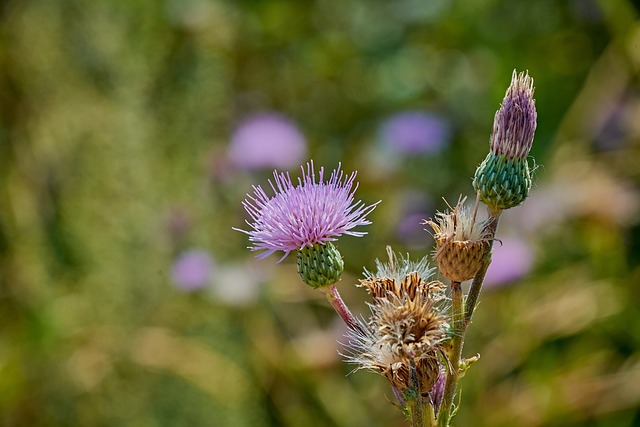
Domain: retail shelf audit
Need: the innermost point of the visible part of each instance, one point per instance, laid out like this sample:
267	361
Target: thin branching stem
457	314
476	285
333	296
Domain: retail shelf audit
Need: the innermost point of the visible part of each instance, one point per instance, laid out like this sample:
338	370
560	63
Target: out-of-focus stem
422	413
429	416
457	308
476	285
333	296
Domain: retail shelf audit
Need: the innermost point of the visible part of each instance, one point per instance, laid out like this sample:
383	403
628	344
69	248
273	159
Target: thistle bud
320	264
437	391
460	243
503	179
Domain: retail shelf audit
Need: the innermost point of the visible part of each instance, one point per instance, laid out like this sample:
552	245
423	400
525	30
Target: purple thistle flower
515	121
309	213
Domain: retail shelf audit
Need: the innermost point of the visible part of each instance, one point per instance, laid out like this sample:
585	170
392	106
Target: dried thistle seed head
408	324
399	266
399	374
460	243
412	286
410	328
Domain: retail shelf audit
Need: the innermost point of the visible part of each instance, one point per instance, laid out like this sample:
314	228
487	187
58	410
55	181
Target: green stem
476	285
457	308
333	296
429	415
422	414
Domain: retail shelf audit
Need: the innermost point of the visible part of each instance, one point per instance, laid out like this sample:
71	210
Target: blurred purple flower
415	132
311	212
415	207
512	259
192	270
267	140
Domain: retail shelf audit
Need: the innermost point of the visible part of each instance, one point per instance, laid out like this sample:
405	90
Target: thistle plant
414	334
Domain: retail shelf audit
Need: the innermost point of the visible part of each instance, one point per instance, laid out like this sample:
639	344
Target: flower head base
407	330
503	179
312	212
460	243
320	265
501	182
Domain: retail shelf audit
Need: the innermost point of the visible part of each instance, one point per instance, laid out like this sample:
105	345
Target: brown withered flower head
460	242
408	325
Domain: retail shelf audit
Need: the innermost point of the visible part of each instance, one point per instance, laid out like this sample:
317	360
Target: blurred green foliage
114	123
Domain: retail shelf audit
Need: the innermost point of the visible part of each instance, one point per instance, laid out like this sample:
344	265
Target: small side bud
460	244
320	265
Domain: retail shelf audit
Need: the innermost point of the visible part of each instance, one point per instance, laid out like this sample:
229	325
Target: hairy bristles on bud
412	286
460	243
399	267
457	225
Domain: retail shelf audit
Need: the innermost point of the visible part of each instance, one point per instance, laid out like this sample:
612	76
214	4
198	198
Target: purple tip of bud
192	270
437	391
515	121
512	259
267	140
415	132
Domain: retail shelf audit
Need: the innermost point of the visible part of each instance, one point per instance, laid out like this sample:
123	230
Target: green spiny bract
320	265
502	182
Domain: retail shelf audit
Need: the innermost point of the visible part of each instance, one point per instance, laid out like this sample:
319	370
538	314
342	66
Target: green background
115	118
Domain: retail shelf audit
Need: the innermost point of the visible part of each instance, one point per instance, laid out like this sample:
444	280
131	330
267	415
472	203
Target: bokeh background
130	132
